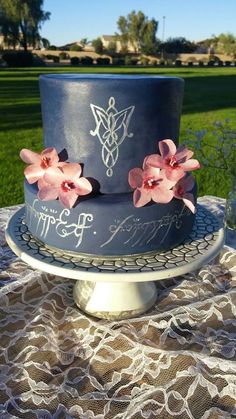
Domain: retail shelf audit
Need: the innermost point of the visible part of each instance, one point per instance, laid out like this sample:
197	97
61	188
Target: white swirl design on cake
111	129
47	218
141	233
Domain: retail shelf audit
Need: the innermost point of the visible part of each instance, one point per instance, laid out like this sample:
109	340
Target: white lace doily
177	360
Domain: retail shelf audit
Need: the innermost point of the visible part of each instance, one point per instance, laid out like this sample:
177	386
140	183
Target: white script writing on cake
45	218
111	129
141	233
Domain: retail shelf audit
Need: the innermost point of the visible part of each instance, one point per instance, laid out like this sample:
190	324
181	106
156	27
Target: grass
210	95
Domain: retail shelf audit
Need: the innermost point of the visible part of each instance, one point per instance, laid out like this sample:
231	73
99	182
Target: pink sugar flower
39	163
174	161
64	183
150	184
182	191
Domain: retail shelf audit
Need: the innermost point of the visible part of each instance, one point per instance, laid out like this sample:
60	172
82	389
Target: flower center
45	162
150	182
67	185
180	191
172	162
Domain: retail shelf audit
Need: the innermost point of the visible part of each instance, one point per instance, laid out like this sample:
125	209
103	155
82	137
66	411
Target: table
177	360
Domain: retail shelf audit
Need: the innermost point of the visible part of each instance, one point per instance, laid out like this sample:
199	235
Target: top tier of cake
109	123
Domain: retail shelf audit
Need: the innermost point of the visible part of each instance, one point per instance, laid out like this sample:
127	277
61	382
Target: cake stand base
114	300
121	287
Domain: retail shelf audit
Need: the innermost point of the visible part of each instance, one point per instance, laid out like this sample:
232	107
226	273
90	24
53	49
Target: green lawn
210	95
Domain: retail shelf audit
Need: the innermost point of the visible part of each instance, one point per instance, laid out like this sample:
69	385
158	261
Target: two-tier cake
113	141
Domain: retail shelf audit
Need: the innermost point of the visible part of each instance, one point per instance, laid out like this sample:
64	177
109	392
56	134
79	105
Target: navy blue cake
110	124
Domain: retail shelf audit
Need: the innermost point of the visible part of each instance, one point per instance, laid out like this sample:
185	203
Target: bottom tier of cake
107	224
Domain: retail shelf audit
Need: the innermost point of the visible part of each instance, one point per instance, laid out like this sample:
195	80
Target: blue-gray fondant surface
109	123
107	224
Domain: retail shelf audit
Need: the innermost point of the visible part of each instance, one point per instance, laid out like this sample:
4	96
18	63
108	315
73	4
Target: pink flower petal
33	173
191	164
61	164
152	171
145	162
30	157
187	183
48	193
183	154
155	160
135	178
72	170
141	197
54	176
166	183
42	183
174	174
51	153
189	201
167	148
161	195
83	186
68	199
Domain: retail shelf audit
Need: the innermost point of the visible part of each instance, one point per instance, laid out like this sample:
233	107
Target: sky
72	20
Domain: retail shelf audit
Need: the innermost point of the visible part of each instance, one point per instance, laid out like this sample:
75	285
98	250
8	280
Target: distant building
108	39
204	48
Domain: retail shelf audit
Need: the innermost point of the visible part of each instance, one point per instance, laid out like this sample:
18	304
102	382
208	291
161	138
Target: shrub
134	60
86	60
56	59
38	61
118	61
76	47
103	61
18	58
201	63
153	62
190	63
52	48
220	63
50	56
178	63
75	61
227	63
144	60
128	60
211	63
63	55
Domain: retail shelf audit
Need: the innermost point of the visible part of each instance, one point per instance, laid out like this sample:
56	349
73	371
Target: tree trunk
24	37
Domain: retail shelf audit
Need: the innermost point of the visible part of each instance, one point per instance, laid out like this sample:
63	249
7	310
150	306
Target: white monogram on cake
46	218
141	233
111	129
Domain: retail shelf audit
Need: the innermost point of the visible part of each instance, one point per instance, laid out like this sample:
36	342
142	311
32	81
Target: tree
76	47
124	33
226	44
178	46
21	20
45	43
150	44
137	29
84	42
98	45
111	48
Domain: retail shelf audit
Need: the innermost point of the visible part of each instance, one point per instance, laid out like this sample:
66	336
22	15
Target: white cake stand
118	287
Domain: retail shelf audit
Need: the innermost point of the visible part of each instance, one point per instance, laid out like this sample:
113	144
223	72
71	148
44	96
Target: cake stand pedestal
123	286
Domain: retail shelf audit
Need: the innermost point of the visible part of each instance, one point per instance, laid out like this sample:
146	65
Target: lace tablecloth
176	361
